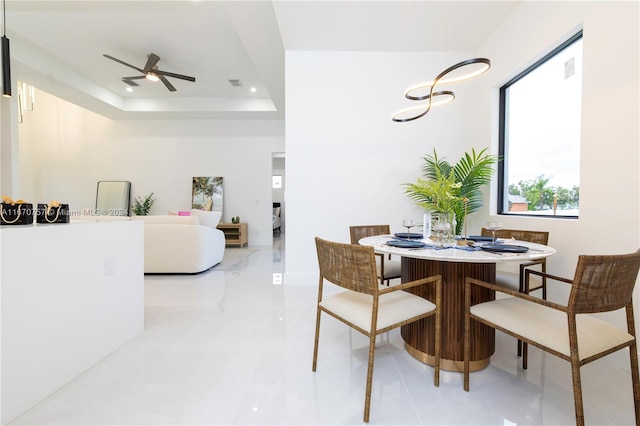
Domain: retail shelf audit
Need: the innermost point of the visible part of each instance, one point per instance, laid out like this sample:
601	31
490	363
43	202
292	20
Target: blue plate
505	248
480	238
408	235
406	244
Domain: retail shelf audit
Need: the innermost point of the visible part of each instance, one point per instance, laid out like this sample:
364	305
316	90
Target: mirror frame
113	198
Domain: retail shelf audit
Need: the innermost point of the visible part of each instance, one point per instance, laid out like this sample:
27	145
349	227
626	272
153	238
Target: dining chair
387	268
601	284
515	280
366	306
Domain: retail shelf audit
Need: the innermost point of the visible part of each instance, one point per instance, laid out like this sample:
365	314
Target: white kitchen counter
71	294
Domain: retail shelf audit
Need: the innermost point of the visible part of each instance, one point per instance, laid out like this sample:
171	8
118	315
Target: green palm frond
434	167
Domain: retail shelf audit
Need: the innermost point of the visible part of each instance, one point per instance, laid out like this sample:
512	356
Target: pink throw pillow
184	213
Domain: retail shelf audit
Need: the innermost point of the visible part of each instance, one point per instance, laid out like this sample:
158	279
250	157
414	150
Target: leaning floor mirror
113	198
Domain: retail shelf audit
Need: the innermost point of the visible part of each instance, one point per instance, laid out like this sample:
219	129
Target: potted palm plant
456	188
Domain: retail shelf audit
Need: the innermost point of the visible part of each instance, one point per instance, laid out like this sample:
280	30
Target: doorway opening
278	195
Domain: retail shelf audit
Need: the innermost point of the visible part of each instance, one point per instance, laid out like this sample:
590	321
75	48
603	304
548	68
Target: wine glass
493	227
408	223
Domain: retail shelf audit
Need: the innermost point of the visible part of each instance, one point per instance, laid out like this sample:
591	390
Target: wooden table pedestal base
447	364
419	335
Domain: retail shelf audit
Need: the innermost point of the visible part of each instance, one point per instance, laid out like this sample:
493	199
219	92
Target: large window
540	111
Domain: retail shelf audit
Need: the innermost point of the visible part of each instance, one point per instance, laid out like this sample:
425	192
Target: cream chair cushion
511	279
393	308
549	326
391	267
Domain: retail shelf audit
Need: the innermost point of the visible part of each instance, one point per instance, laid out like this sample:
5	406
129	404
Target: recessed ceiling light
253	90
129	89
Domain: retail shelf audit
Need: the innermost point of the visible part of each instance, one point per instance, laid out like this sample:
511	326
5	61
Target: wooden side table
235	233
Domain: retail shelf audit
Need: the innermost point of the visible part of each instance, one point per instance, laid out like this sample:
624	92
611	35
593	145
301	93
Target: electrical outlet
277	278
109	266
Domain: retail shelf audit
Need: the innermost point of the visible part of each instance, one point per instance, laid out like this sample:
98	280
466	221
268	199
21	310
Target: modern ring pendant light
6	57
474	67
409	114
461	71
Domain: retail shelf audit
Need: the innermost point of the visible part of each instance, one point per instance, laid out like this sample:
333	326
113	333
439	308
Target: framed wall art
207	193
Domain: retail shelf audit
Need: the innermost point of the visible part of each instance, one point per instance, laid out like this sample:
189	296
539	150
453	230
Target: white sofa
181	244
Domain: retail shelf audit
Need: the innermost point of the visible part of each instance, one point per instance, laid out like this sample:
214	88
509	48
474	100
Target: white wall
609	149
609	146
346	160
8	144
65	150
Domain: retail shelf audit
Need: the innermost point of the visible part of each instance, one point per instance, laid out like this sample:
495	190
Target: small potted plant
142	205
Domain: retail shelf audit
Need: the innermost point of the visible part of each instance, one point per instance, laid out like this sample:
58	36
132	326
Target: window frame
503	191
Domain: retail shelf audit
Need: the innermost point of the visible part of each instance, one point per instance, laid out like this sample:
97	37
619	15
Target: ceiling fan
151	72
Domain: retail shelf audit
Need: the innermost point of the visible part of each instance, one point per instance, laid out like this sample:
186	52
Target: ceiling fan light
151	72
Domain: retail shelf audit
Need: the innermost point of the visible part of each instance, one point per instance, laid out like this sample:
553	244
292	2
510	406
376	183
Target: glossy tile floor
229	347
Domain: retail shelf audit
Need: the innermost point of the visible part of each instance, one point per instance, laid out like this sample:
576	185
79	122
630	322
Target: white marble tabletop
459	253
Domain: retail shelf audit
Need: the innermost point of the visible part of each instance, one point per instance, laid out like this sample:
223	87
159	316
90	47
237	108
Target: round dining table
454	264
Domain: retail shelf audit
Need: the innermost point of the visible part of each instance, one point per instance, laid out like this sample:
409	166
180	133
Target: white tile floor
229	347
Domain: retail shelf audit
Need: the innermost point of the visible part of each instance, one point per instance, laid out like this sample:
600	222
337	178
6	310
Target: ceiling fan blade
170	74
152	60
122	62
130	82
166	83
137	77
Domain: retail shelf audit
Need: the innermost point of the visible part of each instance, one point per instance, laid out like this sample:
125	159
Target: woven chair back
537	237
603	283
349	266
359	232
